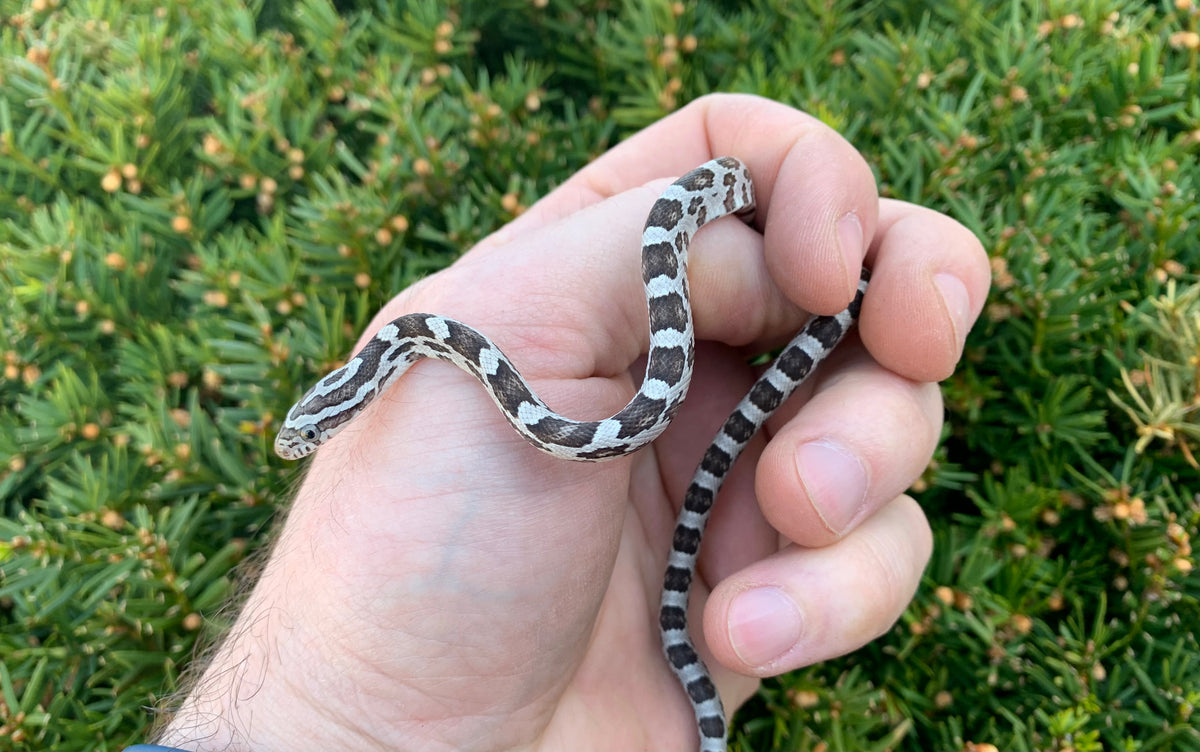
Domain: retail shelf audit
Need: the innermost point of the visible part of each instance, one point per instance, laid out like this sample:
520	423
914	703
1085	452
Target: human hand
441	584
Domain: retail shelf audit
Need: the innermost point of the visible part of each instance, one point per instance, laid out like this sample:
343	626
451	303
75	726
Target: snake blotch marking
715	189
669	312
686	539
698	500
665	213
671	362
659	260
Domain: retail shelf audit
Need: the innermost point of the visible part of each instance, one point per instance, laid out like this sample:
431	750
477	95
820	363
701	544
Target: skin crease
439	584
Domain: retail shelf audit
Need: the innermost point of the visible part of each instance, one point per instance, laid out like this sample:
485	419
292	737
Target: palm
545	572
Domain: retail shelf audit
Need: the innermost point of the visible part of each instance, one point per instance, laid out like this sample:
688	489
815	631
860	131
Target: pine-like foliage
202	203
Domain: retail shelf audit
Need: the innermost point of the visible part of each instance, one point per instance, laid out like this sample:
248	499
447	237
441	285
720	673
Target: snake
718	188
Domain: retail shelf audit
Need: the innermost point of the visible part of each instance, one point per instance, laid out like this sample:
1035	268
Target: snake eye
308	433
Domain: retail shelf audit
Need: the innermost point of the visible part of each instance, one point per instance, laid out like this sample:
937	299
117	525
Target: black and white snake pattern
713	190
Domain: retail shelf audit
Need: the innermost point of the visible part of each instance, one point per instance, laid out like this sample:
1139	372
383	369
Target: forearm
242	694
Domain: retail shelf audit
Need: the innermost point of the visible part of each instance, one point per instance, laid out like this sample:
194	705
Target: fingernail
957	303
835	482
764	623
850	237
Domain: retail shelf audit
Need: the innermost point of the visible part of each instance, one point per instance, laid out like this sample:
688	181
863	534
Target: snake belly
715	189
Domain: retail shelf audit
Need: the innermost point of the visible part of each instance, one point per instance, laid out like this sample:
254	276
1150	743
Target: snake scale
713	190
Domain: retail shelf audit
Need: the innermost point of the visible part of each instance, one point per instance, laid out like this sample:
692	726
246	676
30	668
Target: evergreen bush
202	203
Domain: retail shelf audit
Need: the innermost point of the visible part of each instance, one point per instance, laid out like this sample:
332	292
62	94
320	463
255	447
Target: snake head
305	428
296	440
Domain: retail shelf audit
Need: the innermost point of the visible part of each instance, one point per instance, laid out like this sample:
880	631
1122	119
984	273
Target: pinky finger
802	605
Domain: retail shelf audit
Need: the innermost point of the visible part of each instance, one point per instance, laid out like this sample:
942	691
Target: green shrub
202	203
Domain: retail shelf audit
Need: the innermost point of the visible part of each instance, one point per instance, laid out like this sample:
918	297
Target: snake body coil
711	191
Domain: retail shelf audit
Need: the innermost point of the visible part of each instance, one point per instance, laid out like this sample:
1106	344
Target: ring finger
804	605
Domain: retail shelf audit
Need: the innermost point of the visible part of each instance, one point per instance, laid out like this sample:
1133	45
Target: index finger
795	160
